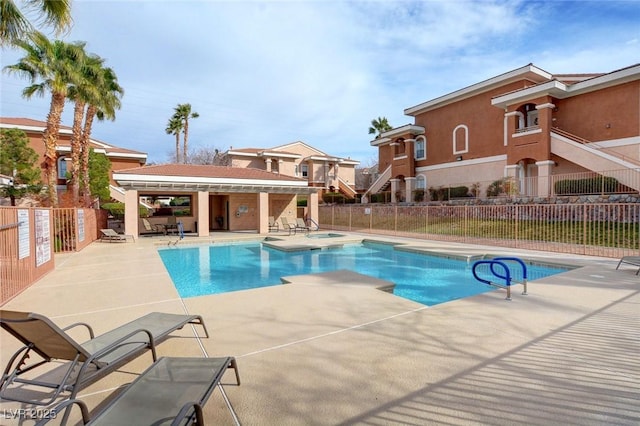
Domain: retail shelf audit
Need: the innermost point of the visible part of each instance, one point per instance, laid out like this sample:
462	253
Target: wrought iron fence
604	229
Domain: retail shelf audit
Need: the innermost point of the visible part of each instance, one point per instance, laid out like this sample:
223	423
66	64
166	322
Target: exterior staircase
379	185
596	158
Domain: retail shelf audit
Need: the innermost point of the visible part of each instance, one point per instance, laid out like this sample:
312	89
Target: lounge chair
153	229
171	390
88	361
288	226
300	224
273	225
630	260
171	225
111	235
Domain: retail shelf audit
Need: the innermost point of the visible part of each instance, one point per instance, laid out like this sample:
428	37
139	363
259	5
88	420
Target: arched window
62	168
421	182
420	148
460	139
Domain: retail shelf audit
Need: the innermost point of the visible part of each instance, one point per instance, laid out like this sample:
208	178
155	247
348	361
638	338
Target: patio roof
192	177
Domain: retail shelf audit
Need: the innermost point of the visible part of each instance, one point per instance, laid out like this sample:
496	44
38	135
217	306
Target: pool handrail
491	263
524	270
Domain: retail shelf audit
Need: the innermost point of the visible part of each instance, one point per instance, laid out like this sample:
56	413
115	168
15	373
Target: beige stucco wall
464	173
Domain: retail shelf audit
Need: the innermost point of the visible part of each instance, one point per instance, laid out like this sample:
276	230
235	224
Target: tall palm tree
104	108
174	127
51	67
83	93
379	125
14	25
183	113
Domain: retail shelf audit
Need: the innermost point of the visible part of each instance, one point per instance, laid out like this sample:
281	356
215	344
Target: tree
379	125
99	167
174	127
14	25
85	91
104	108
51	67
183	113
18	160
208	155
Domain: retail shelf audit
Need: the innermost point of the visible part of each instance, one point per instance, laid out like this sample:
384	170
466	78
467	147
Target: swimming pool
212	269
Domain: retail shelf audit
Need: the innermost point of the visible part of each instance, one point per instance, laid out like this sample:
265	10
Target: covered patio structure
208	198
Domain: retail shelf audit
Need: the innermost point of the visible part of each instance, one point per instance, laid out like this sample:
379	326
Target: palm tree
183	113
379	125
14	26
83	93
174	127
104	108
51	67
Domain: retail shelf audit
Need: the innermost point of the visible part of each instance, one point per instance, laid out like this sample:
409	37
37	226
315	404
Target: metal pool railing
599	229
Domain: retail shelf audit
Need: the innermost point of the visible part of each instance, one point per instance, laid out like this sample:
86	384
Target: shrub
418	195
458	192
592	185
333	197
117	210
496	188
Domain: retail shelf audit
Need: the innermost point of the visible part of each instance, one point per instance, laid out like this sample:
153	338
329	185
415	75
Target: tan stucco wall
459	174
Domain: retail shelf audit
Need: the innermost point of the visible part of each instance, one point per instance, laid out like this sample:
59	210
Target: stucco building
120	158
527	124
323	171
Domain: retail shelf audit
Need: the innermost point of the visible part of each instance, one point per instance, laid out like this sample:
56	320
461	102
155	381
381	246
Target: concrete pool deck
312	353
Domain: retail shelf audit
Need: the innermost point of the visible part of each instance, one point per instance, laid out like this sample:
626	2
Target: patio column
263	212
203	214
131	214
544	177
394	189
410	185
313	212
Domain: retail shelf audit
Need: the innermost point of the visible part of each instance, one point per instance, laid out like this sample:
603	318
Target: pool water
212	269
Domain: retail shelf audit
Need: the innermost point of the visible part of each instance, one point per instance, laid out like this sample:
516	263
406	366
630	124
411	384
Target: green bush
418	195
459	191
117	210
594	185
333	197
302	202
382	197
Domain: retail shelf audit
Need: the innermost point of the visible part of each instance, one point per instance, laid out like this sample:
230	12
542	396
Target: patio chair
300	224
153	229
171	390
273	225
288	226
87	362
111	235
630	260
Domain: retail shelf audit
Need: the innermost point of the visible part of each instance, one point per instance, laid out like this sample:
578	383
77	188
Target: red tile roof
28	122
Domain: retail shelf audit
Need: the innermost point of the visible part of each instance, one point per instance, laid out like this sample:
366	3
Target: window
421	182
420	148
460	139
305	170
62	168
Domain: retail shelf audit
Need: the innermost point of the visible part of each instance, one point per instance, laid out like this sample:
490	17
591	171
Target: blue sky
266	73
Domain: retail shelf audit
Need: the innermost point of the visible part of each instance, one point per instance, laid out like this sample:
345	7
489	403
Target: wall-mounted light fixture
459	158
